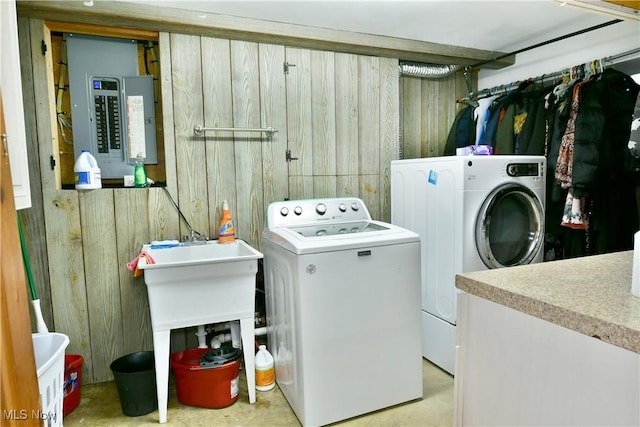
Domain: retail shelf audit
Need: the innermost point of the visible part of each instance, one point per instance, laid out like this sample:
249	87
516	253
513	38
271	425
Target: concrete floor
100	406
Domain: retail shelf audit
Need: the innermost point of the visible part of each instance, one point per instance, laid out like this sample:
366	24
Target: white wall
597	44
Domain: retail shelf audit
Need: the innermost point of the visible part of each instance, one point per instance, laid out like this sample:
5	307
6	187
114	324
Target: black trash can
135	376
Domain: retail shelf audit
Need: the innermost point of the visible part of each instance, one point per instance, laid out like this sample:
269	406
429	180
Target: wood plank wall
338	113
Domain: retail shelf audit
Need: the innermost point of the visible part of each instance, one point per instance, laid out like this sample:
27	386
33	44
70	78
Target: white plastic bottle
265	373
86	171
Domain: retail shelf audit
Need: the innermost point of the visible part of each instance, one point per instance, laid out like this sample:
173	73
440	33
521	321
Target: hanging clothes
592	166
504	132
496	114
481	115
564	164
462	132
603	134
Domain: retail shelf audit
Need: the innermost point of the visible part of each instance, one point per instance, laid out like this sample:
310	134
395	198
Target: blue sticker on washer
433	177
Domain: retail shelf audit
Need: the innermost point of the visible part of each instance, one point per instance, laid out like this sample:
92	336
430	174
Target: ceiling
498	25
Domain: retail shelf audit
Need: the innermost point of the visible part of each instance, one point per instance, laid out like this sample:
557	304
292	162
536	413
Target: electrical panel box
113	111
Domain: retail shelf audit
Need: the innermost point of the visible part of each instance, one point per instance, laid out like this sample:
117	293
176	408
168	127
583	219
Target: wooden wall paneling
323	119
369	119
299	120
389	130
245	78
347	115
33	218
164	221
62	215
324	186
102	279
132	231
186	66
273	109
369	132
301	187
45	105
67	275
411	117
218	112
428	110
347	185
429	118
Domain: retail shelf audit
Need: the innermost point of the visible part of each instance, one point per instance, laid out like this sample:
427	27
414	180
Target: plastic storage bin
213	386
49	354
72	382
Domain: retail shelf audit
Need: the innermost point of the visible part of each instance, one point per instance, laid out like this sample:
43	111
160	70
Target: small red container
207	387
72	382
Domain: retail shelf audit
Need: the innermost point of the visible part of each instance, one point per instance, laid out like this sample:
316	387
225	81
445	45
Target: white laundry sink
190	254
184	283
197	285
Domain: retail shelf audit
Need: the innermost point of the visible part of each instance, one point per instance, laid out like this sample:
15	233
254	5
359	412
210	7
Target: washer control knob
355	206
284	211
321	208
342	207
297	210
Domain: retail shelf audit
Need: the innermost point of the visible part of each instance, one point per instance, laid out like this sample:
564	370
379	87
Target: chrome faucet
194	238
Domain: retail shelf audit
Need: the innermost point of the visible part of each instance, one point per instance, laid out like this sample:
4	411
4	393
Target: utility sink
185	282
190	254
193	285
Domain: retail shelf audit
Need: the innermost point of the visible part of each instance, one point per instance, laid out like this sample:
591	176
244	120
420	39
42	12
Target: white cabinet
11	87
518	370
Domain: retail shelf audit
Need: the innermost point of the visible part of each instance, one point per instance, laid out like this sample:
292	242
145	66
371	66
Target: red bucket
72	382
208	387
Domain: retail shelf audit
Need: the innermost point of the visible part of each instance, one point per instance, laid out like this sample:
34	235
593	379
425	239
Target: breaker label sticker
433	177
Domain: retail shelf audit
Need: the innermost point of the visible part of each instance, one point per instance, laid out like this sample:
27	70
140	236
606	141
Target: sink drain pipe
234	336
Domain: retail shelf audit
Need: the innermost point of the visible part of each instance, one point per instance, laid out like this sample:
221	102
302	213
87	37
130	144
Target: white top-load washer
343	308
472	213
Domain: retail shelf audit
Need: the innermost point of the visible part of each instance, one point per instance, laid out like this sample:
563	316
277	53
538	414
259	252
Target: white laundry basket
49	351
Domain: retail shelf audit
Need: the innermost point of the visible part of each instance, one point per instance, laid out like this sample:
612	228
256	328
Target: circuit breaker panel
113	112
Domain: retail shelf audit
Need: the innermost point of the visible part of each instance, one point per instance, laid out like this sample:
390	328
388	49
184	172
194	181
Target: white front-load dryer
471	213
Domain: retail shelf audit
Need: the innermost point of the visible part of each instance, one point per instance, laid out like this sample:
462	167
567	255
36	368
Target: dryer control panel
523	169
288	213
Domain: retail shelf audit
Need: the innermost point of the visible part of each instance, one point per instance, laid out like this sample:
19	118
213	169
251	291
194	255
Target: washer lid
326	229
329	237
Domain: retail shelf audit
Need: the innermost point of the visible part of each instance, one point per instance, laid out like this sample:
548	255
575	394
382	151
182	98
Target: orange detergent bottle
226	231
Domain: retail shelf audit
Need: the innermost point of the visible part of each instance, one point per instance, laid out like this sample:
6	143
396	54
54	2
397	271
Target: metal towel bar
199	130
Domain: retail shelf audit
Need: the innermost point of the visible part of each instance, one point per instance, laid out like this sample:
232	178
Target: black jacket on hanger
602	167
462	132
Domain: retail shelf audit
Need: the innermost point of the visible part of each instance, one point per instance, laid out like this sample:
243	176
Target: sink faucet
194	238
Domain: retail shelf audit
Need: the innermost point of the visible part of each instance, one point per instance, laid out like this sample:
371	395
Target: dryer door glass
509	227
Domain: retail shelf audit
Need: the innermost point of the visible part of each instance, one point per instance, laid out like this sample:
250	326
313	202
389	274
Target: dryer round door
509	226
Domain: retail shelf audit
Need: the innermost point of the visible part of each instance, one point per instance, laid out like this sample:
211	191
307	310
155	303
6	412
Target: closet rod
537	45
502	89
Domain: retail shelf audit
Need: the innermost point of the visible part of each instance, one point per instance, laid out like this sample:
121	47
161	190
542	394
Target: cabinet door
19	382
11	84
